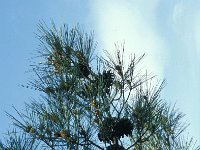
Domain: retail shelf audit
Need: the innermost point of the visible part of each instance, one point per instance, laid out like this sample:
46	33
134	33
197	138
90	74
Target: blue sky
167	31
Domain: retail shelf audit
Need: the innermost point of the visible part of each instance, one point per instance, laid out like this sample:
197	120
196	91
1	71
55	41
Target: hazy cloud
133	23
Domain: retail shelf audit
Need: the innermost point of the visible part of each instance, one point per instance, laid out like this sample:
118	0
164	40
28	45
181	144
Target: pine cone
84	69
106	130
123	127
115	128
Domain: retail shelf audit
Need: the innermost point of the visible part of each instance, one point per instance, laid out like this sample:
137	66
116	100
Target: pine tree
93	103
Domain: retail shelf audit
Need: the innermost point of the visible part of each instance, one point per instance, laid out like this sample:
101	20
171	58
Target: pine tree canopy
90	102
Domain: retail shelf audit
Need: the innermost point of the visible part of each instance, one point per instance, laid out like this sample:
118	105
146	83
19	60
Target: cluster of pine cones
114	128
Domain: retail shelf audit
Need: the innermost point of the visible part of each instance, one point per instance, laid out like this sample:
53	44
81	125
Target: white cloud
186	22
132	23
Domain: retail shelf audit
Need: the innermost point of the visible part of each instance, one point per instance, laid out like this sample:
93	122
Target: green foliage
18	141
111	106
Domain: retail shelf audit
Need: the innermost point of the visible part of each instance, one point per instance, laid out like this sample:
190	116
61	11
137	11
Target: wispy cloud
132	23
178	12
